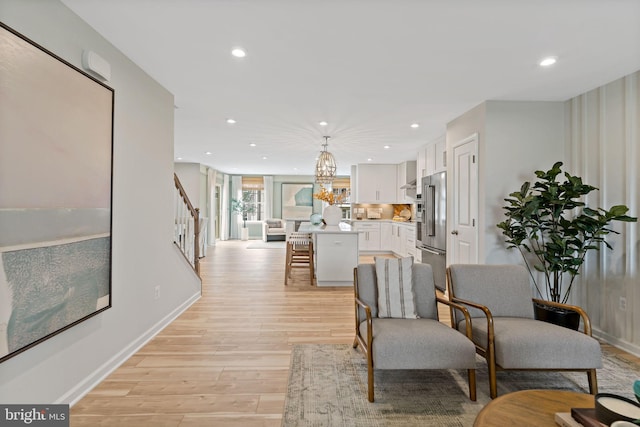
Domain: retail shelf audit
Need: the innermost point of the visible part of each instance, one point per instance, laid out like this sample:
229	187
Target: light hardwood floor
225	361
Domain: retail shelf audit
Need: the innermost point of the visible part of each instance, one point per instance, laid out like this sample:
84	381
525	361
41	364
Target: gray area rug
267	245
328	387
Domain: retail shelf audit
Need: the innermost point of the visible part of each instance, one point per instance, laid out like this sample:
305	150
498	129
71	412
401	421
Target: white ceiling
369	68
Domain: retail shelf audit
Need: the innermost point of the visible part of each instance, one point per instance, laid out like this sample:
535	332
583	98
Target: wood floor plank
225	361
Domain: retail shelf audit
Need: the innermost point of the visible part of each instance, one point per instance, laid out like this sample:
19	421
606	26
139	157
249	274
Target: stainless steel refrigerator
431	239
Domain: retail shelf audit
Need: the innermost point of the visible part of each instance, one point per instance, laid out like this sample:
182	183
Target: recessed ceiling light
231	121
179	158
264	157
239	52
252	144
208	153
415	125
369	159
323	123
546	62
386	147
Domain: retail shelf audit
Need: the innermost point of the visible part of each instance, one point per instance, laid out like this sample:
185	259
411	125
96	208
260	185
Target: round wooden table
531	408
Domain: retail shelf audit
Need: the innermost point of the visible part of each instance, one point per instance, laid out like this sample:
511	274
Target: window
254	186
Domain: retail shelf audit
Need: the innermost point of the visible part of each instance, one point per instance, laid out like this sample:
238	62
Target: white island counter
336	253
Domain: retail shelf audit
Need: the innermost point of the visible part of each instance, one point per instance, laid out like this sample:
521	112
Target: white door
464	227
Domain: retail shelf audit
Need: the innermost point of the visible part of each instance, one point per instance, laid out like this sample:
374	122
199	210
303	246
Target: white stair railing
187	226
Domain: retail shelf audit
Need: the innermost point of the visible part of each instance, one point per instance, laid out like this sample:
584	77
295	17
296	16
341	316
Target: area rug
267	245
328	387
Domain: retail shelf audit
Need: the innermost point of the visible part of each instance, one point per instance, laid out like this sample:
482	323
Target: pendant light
326	165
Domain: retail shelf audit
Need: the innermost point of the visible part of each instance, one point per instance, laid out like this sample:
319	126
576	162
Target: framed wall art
56	139
297	201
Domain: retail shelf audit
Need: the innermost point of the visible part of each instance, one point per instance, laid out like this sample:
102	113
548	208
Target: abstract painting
297	201
56	138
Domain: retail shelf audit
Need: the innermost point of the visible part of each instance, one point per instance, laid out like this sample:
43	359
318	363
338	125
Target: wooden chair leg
593	381
355	343
472	384
370	375
311	267
287	266
493	382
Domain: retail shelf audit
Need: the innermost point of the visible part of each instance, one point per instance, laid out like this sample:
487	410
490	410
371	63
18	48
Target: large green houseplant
554	230
244	207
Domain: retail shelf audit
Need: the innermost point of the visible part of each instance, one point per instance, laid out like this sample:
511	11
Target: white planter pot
245	234
332	215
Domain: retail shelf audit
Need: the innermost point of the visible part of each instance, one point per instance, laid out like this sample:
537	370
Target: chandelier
326	165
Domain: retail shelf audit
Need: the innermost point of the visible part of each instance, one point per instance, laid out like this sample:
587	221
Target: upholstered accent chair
499	299
273	229
405	343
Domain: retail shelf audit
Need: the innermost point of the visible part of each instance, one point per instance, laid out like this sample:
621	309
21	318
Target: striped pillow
395	294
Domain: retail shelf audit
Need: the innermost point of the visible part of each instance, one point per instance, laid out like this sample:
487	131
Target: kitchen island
336	253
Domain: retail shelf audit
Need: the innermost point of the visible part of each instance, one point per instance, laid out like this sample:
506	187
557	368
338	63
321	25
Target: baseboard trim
617	342
84	387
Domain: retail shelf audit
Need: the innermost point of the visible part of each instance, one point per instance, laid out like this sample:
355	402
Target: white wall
520	138
64	367
603	146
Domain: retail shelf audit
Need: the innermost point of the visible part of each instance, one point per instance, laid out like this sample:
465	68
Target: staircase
187	226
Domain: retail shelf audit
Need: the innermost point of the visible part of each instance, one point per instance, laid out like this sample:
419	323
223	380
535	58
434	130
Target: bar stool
299	254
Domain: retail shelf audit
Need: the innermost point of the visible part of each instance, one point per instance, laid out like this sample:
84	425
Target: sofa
273	229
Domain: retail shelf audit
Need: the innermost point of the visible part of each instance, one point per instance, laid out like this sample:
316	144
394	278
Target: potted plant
554	230
244	207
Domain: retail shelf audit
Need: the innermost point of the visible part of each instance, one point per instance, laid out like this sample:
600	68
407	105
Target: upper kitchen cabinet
406	181
432	158
376	183
440	156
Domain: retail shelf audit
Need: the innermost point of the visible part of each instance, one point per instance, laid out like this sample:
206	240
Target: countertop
343	227
411	222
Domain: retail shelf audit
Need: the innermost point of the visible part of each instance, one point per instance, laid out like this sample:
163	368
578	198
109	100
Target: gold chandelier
326	165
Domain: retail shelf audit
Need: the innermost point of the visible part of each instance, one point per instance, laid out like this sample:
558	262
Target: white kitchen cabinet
336	257
403	239
406	176
395	238
368	235
435	156
430	159
440	155
420	168
410	241
376	183
385	236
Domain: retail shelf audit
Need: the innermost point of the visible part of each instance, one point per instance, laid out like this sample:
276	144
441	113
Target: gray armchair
499	298
423	343
273	229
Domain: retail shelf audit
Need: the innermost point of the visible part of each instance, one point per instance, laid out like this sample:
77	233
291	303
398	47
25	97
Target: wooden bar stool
299	254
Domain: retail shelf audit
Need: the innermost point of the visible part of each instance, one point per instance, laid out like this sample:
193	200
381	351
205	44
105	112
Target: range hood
409	185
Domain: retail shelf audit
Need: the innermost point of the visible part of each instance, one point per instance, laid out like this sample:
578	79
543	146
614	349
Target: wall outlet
622	304
156	292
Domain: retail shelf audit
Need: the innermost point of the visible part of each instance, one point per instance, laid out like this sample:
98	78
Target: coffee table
531	408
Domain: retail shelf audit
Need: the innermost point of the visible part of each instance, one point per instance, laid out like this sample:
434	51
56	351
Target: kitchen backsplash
384	211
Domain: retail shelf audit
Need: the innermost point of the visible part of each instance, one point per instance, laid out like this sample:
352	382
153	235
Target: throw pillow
395	293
